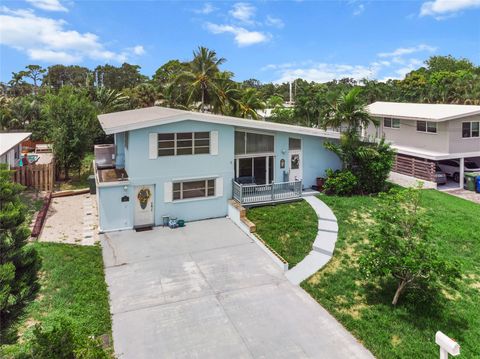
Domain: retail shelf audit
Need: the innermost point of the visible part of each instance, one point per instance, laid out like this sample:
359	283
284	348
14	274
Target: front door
296	173
144	206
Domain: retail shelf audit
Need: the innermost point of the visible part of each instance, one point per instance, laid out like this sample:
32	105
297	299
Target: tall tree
201	76
249	103
58	76
72	118
118	78
35	73
19	262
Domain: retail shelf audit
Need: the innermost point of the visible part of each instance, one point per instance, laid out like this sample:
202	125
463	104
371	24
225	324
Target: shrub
61	341
340	183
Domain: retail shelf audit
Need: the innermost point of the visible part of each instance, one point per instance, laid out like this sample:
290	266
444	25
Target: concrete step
327	226
325	242
307	267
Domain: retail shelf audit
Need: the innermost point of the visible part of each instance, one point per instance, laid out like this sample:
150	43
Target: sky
272	41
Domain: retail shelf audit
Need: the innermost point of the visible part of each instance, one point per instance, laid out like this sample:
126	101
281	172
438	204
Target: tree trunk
400	289
203	100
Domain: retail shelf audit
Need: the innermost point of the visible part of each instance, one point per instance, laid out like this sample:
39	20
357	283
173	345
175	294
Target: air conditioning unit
105	156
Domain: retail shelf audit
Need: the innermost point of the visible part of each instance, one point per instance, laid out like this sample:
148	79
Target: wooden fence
415	167
39	177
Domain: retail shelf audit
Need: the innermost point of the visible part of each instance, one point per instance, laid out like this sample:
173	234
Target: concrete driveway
208	291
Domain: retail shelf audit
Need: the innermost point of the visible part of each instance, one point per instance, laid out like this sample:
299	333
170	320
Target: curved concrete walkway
323	247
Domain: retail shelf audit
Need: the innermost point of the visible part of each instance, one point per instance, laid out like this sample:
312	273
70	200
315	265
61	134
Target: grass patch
364	307
78	179
289	229
73	287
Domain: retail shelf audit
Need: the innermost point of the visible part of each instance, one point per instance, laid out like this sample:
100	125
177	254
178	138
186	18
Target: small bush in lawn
340	183
60	341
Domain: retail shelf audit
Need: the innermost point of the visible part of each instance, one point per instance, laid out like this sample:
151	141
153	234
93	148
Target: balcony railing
252	194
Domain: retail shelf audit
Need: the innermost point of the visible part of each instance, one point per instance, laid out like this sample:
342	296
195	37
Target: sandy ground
72	219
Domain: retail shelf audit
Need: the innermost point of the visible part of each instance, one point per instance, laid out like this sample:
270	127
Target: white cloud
206	9
138	50
243	12
359	10
46	39
407	50
49	5
442	8
242	36
274	21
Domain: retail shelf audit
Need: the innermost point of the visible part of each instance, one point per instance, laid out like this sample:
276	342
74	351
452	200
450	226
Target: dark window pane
184	151
395	123
166	136
202	135
169	152
270	168
387	122
294	144
465	129
239	143
193	193
211	183
184	136
211	192
422	126
475	129
202	142
258	143
432	127
176	186
184	143
166	144
260	170
176	195
193	185
245	167
202	150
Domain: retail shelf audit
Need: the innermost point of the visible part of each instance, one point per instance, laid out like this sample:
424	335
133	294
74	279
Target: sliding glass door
258	168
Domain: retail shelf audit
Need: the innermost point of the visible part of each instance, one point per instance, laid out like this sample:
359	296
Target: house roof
422	111
10	139
152	116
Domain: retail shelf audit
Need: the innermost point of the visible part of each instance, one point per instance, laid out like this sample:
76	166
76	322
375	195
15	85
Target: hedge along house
188	165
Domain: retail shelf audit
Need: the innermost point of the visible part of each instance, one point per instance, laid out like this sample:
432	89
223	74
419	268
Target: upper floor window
427	126
470	129
391	122
183	143
250	142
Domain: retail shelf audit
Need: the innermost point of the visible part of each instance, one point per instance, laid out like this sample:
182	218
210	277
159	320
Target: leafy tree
348	110
226	94
35	72
118	78
19	262
201	76
400	247
448	63
249	103
144	95
107	100
59	75
73	122
275	101
17	85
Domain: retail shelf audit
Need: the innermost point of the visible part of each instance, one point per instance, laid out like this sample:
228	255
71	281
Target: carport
208	291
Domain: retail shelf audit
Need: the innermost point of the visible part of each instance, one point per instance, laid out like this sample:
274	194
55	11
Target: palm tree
203	69
348	110
226	91
109	100
249	103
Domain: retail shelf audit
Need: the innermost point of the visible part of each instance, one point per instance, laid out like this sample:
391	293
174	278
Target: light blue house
188	165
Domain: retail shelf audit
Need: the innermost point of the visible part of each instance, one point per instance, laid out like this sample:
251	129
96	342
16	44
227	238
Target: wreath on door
143	196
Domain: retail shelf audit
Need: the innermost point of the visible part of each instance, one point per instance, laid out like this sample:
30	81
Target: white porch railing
266	193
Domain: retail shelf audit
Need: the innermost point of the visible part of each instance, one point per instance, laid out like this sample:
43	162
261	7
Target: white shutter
214	143
168	191
152	146
219	187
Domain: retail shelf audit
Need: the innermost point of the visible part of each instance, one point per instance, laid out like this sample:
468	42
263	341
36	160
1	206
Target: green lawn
72	286
364	308
289	229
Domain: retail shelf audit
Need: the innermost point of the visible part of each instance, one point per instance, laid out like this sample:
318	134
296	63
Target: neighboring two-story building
424	134
188	165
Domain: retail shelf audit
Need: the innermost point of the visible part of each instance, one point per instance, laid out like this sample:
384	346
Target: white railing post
273	191
241	194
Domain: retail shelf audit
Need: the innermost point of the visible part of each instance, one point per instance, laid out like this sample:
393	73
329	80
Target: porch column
462	173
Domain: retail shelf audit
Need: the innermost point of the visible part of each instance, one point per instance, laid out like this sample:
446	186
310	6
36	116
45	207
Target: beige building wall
408	136
459	144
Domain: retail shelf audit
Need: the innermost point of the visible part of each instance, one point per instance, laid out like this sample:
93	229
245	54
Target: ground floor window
260	168
193	189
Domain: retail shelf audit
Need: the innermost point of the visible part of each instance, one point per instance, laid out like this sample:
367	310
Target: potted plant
320	183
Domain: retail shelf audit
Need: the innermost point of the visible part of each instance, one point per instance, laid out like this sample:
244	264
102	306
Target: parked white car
452	168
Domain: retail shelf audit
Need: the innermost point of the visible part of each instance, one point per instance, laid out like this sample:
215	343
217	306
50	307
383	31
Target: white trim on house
430	155
153	116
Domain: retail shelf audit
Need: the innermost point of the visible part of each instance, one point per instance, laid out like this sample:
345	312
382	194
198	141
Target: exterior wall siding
457	142
113	213
120	149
